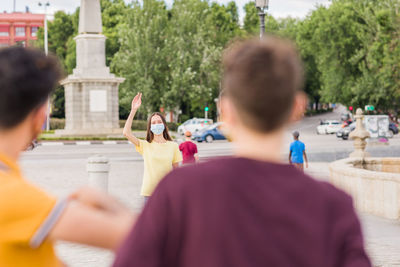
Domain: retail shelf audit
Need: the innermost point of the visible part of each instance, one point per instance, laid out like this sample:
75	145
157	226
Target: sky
278	8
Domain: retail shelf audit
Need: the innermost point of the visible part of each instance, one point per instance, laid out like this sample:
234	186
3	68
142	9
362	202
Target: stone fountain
374	183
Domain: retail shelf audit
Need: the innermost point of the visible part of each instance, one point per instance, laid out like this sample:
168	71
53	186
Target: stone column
98	169
91	91
90	17
359	135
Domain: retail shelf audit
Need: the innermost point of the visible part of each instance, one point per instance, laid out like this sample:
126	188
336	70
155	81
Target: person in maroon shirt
188	149
251	209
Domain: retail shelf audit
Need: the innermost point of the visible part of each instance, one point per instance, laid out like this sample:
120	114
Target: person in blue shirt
297	152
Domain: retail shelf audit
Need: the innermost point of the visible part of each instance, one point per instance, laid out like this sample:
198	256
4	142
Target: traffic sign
369	108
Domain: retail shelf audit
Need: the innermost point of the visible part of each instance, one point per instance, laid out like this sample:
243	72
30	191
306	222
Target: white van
194	125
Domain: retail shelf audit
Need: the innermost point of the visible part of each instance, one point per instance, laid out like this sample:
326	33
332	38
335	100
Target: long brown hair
150	135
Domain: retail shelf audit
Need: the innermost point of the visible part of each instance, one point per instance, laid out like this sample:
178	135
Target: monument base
102	133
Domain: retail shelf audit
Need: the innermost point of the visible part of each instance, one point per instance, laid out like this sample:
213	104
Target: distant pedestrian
297	154
188	149
159	152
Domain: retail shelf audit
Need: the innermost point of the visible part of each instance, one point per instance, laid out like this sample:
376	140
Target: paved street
62	169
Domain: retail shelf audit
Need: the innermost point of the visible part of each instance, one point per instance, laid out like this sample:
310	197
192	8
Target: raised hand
137	101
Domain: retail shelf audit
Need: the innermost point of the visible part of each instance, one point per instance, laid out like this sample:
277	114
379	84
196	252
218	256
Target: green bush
140	125
184	117
56	123
172	126
137	125
312	112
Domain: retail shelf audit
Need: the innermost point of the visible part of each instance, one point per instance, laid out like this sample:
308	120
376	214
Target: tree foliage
173	56
141	58
353	47
351	50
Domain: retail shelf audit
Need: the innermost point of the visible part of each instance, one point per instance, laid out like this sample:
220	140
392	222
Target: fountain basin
374	184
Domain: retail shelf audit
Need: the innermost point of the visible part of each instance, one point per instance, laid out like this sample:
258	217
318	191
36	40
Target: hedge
312	112
138	125
56	123
142	125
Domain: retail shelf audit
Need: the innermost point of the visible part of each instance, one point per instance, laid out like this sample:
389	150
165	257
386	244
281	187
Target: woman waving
160	154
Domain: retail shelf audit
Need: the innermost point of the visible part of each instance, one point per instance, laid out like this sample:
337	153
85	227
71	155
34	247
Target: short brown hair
150	135
27	78
261	77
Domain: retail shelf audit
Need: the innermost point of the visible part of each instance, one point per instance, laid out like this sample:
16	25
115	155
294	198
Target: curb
83	143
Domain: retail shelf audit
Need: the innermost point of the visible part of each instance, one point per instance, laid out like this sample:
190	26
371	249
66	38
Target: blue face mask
157	129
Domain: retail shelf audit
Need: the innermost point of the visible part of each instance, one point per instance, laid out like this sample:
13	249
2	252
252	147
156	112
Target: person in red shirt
188	149
250	209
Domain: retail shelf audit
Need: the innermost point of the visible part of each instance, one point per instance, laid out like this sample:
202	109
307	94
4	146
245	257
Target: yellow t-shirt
158	160
25	221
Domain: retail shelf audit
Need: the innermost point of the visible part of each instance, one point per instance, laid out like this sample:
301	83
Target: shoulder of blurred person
33	218
229	169
252	198
234	194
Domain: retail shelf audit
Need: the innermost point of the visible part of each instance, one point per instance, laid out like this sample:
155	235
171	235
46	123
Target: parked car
328	127
345	116
194	125
209	134
344	132
346	123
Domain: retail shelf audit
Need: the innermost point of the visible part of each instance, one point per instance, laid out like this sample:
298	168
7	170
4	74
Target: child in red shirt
189	149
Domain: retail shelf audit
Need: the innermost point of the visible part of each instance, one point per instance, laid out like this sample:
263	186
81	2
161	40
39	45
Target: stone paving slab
61	177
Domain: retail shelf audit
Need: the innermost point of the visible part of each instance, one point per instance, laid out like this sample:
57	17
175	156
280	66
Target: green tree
61	33
226	21
251	22
60	30
173	56
112	14
141	58
70	59
352	50
194	56
379	60
304	40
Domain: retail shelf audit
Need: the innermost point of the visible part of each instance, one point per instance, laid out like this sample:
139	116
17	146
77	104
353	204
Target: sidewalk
60	177
382	236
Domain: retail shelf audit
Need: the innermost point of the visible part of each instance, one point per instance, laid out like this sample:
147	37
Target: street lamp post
45	26
261	6
46	51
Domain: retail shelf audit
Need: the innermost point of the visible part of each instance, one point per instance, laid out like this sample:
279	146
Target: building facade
19	28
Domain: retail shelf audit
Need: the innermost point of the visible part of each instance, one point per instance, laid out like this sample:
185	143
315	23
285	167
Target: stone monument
91	91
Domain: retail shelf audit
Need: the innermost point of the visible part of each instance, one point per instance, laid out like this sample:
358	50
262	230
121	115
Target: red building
19	28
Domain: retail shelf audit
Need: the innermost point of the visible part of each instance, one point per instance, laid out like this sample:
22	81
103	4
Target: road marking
69	143
83	143
52	144
109	142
